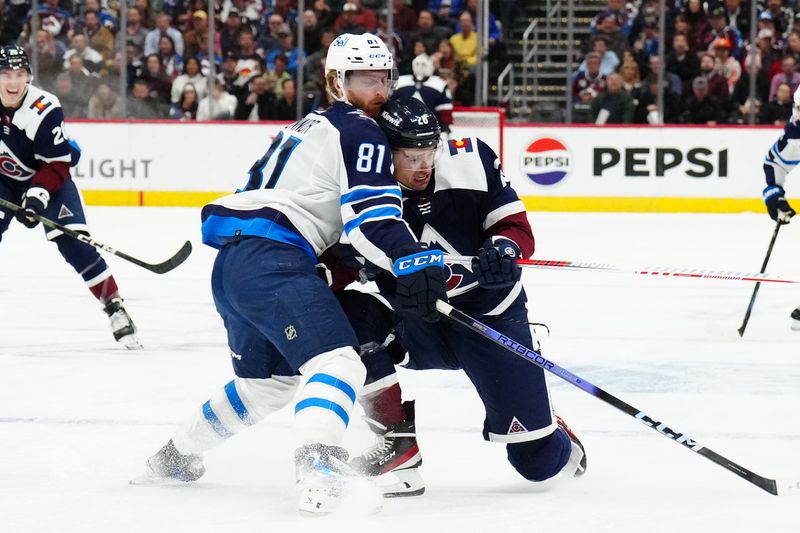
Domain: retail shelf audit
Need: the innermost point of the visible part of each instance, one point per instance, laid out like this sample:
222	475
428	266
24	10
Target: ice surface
79	414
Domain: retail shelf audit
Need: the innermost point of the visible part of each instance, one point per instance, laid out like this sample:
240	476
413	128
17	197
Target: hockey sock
90	265
322	412
239	404
385	406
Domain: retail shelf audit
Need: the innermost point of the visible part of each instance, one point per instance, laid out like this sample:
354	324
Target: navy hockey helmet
409	124
14	57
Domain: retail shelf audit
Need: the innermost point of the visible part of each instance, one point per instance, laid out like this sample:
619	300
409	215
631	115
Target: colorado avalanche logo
10	167
453	279
546	161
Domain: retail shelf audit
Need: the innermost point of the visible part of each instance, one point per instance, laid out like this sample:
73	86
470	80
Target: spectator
727	65
92	60
607	27
614	105
191	75
646	111
682	62
325	16
782	16
494	30
590	78
224	104
717	85
50	57
279	73
284	8
672	80
624	13
764	58
11	17
98	36
69	97
270	40
426	32
646	45
582	107
186	107
720	30
788	76
55	20
404	18
393	42
445	10
258	103
249	12
135	33
631	77
313	32
702	107
314	71
170	60
107	19
698	23
608	59
779	109
765	22
229	35
135	64
83	85
465	43
196	39
105	104
286	48
141	105
348	21
152	41
148	16
444	57
285	106
738	15
159	85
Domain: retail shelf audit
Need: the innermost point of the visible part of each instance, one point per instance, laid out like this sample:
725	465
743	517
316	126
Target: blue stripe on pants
324	404
236	402
213	421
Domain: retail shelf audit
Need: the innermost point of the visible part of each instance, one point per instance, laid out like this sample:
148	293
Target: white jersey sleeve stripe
502	212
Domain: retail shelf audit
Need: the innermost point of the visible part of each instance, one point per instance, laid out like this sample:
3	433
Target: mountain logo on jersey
546	161
457	145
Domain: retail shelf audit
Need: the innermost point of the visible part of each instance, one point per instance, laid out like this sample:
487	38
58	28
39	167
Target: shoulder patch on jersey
457	146
40	105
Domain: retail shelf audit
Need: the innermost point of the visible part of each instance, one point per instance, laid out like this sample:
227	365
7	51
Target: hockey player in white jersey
35	158
782	157
426	86
325	175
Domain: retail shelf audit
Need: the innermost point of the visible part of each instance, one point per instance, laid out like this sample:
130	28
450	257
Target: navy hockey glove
420	281
778	208
33	203
496	264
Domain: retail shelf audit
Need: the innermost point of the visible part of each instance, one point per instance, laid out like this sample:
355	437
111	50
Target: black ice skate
122	326
576	465
323	478
395	459
796	319
168	464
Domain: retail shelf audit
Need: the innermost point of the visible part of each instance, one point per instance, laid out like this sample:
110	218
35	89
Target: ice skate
576	465
395	459
169	465
324	479
795	325
122	326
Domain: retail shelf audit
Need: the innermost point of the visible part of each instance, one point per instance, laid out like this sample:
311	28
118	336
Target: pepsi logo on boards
546	161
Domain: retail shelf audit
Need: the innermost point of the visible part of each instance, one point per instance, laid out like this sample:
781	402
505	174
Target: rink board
601	169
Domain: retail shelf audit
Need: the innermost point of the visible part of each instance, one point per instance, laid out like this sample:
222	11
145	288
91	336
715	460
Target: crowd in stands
166	56
706	72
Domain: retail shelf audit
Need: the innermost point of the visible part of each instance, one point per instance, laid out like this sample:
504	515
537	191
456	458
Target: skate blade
357	497
795	325
401	483
131	342
147	478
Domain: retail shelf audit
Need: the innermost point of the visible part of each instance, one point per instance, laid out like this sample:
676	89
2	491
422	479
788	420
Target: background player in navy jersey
782	157
35	157
455	199
426	86
325	175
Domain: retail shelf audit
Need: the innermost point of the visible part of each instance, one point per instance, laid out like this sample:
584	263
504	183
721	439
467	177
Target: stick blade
174	261
787	487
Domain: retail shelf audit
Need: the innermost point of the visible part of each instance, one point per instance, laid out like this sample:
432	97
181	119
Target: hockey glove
496	264
33	203
420	281
778	208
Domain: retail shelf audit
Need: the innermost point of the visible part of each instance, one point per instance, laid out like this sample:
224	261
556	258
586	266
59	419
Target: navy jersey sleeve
52	151
371	203
504	212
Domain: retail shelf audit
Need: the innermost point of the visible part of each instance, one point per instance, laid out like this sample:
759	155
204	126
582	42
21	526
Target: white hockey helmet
422	67
350	52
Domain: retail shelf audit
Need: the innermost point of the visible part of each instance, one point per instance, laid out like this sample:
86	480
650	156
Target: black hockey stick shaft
158	268
770	485
758	284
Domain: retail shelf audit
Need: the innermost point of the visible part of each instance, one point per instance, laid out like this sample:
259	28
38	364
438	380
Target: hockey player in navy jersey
35	158
321	177
455	199
426	86
782	157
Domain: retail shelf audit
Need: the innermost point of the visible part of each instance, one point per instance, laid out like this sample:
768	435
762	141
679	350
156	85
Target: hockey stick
776	487
758	285
159	268
646	271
